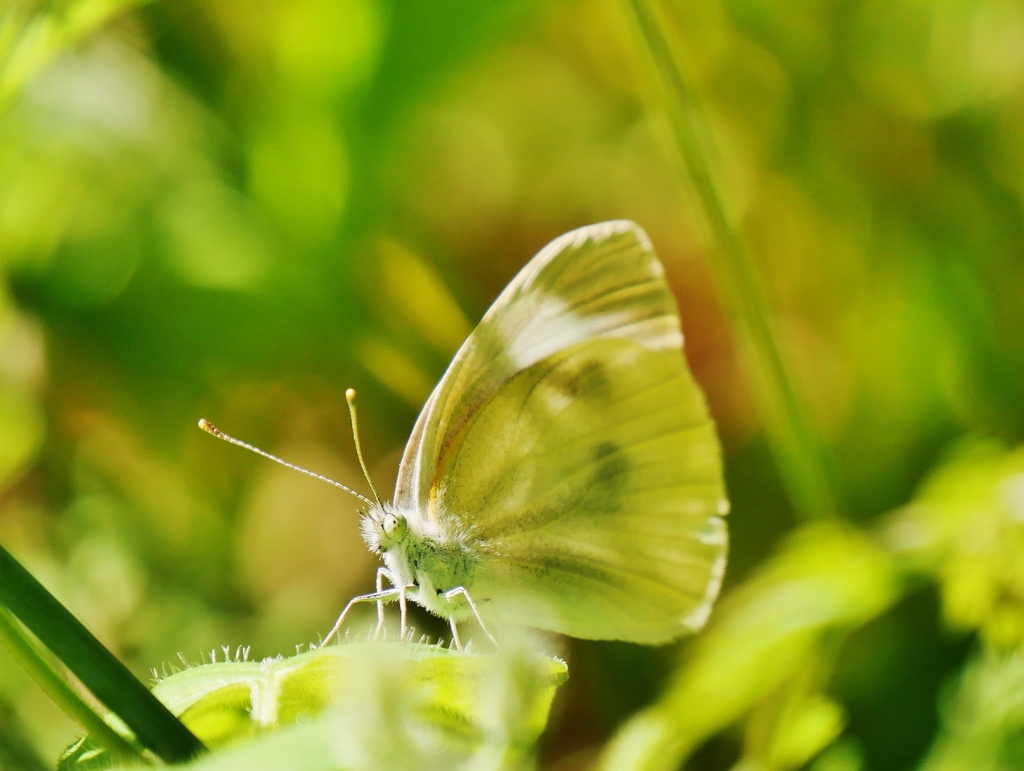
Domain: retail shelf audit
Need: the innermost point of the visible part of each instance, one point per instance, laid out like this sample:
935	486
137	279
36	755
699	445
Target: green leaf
359	705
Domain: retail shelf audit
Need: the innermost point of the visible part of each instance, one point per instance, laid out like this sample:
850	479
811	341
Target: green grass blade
27	652
97	668
798	454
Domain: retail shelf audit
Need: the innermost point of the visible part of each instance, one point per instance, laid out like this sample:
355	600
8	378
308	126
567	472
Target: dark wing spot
611	467
588	378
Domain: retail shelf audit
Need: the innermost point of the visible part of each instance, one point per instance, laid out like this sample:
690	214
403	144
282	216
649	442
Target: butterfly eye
394	526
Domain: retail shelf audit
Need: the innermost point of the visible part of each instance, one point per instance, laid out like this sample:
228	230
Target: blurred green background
236	210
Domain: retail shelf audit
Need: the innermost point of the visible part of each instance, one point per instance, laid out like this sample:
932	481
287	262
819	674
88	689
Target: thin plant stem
797	453
37	663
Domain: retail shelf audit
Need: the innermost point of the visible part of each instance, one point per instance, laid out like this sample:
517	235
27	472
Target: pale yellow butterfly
565	470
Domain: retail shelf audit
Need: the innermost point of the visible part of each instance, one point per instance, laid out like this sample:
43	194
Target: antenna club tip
350	395
207	426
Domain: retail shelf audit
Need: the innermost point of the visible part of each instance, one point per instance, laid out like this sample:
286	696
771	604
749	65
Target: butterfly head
383	528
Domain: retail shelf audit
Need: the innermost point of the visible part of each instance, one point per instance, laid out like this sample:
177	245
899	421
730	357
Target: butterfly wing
570	445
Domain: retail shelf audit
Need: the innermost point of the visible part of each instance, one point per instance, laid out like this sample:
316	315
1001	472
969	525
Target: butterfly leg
455	634
452	594
385	595
403	608
383	573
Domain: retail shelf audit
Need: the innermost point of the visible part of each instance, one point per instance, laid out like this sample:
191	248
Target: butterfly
565	470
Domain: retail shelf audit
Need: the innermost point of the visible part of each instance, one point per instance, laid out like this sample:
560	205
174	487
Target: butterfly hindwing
592	484
569	443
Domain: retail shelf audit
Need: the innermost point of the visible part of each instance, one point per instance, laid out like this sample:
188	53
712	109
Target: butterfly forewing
600	281
570	444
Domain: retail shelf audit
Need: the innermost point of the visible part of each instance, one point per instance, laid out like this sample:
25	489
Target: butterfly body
428	565
565	470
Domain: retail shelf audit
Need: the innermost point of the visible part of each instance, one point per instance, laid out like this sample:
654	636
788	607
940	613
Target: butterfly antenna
209	428
350	397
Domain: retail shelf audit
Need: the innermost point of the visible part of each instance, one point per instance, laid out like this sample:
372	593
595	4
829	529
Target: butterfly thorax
432	564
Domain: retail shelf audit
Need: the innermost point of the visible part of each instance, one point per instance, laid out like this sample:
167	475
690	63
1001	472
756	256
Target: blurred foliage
983	719
767	654
236	211
966	529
